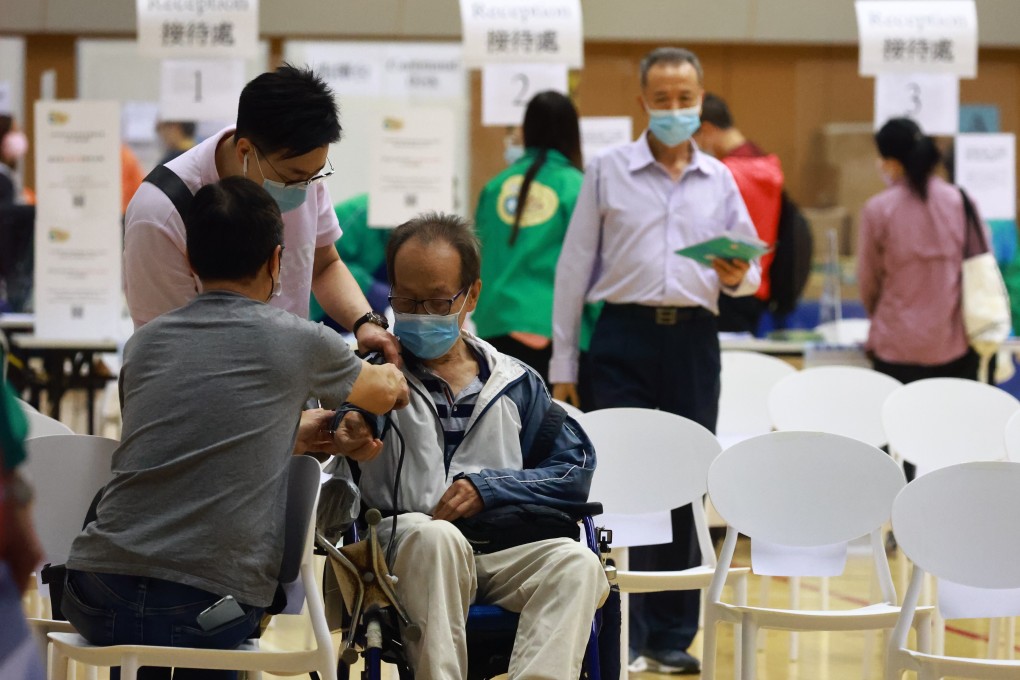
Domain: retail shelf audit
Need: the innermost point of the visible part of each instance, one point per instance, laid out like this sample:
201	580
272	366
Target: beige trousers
555	585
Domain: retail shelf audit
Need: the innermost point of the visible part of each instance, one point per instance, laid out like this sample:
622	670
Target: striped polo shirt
454	411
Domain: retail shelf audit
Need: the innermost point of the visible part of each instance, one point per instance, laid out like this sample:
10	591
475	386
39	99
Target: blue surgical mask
674	126
427	336
513	153
287	197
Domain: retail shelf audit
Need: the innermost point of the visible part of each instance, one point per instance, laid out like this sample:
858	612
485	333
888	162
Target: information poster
986	169
516	31
932	100
412	168
906	36
507	89
390	70
599	133
175	29
77	226
200	89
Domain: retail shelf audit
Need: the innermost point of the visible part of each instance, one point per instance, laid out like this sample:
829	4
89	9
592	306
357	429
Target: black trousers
638	359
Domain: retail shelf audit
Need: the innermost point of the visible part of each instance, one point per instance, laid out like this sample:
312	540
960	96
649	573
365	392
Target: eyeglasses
435	306
315	179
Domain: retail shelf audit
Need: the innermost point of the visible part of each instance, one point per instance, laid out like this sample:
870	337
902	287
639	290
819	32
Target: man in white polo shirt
286	120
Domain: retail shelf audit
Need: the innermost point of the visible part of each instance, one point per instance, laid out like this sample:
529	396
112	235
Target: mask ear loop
244	165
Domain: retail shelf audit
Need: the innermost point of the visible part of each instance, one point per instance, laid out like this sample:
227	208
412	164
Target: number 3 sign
932	100
507	89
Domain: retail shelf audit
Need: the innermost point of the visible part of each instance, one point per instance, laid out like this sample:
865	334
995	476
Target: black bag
512	525
791	265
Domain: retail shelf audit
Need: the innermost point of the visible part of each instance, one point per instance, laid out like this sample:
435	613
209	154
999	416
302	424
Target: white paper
599	133
200	89
516	31
770	559
958	601
138	121
6	99
906	36
77	226
507	89
411	169
389	69
174	29
651	528
932	100
986	169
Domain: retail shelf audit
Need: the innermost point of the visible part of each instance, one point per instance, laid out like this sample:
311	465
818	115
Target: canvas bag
985	302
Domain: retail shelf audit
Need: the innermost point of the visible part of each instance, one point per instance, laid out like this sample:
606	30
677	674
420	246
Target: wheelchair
372	627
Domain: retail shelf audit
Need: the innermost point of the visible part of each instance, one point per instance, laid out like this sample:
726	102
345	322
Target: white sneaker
638	665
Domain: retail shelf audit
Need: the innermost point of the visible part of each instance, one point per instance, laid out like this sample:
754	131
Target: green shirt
13	428
518	279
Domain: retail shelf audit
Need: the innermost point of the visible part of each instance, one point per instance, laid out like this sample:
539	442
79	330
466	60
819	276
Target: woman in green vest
522	218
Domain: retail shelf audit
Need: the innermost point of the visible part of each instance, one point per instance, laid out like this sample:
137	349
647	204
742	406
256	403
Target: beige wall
765	21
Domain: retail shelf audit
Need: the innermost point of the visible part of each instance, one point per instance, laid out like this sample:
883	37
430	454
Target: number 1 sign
507	89
200	89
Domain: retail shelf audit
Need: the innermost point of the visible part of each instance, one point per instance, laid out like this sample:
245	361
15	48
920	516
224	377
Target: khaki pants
555	585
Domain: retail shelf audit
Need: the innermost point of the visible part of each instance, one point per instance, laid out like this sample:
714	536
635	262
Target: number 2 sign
932	100
507	89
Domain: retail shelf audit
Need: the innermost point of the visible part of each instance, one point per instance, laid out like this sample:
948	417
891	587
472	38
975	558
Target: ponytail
901	139
522	196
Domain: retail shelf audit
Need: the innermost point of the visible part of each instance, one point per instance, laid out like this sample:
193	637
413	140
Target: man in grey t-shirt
212	396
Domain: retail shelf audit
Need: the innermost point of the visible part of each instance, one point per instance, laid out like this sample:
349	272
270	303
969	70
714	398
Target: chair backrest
1012	440
844	331
960	523
747	378
648	460
943	421
844	400
303	482
804	489
40	425
571	410
66	471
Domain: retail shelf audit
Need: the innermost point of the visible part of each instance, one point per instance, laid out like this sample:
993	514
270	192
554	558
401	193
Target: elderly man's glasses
435	306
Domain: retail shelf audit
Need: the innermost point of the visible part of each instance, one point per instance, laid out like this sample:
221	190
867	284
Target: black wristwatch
371	317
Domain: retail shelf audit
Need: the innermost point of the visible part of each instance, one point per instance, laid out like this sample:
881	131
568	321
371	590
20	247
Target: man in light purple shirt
656	343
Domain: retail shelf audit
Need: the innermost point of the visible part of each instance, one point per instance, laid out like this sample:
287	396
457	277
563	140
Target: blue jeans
110	609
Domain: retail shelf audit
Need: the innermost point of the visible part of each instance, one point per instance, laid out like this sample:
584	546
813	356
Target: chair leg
749	660
57	663
1011	639
923	627
763	601
708	644
994	638
794	604
129	668
740	596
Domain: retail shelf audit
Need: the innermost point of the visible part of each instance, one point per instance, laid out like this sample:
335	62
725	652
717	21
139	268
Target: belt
661	316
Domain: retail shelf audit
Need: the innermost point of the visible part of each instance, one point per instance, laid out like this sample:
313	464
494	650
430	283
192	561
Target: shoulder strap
548	430
170	183
974	241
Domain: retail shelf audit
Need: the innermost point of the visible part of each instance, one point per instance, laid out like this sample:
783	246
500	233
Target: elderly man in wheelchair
480	479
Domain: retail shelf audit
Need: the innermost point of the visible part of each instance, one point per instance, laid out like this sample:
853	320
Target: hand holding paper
730	247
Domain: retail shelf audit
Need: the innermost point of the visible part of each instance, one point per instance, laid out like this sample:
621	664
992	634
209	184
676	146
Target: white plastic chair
944	421
1013	437
302	496
844	400
747	378
844	331
40	425
650	462
959	523
804	490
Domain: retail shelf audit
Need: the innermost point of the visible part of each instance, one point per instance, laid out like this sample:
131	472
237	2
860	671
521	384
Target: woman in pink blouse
909	264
